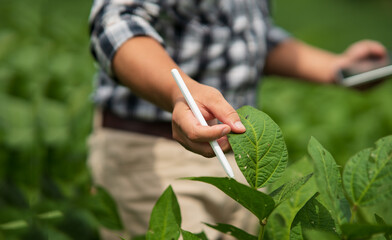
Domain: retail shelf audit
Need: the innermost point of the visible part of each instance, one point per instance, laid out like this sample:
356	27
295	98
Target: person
145	136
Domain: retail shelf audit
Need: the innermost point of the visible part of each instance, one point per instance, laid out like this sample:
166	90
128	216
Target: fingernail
225	131
239	125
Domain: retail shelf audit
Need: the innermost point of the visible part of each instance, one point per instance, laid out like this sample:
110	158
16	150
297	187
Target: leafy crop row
322	203
45	116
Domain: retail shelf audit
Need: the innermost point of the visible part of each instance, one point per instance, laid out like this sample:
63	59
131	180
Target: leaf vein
277	162
257	155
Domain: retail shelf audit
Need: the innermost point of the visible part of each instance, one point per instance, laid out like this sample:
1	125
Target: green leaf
295	170
259	203
165	221
52	233
197	236
362	231
17	123
13	225
104	209
381	221
53	121
320	235
286	190
314	215
328	181
232	231
260	152
20	224
202	236
50	215
7	41
368	174
280	221
190	236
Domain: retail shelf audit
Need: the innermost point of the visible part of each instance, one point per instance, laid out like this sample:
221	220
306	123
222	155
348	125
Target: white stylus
196	111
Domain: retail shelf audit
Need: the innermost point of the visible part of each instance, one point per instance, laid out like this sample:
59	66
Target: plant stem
262	228
261	232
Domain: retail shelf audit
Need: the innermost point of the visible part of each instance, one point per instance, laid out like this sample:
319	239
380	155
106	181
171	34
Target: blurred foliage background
46	74
45	116
343	120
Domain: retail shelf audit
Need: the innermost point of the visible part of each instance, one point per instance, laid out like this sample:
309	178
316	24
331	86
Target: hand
362	56
190	133
359	51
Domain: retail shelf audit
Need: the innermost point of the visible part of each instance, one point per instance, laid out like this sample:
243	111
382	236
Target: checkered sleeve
275	34
112	22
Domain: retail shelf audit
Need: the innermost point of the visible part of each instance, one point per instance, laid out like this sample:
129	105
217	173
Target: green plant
307	202
46	73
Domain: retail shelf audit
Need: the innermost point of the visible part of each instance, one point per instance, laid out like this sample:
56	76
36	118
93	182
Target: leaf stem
262	228
353	213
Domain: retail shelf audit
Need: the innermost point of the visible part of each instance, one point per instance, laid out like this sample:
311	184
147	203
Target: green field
46	79
344	120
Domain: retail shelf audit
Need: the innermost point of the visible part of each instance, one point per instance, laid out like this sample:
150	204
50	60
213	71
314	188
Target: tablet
365	72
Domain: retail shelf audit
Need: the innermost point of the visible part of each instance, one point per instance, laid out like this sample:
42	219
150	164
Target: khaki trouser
135	169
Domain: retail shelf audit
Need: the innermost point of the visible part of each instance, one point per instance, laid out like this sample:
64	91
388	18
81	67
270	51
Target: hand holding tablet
365	72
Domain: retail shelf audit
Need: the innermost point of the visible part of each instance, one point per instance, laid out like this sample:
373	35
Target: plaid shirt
220	43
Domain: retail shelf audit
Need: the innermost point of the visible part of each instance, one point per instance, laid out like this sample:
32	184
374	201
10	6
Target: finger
190	127
366	49
376	49
225	113
371	49
198	133
203	148
224	144
212	122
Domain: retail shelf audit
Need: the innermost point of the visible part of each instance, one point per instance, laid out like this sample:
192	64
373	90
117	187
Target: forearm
296	59
143	65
